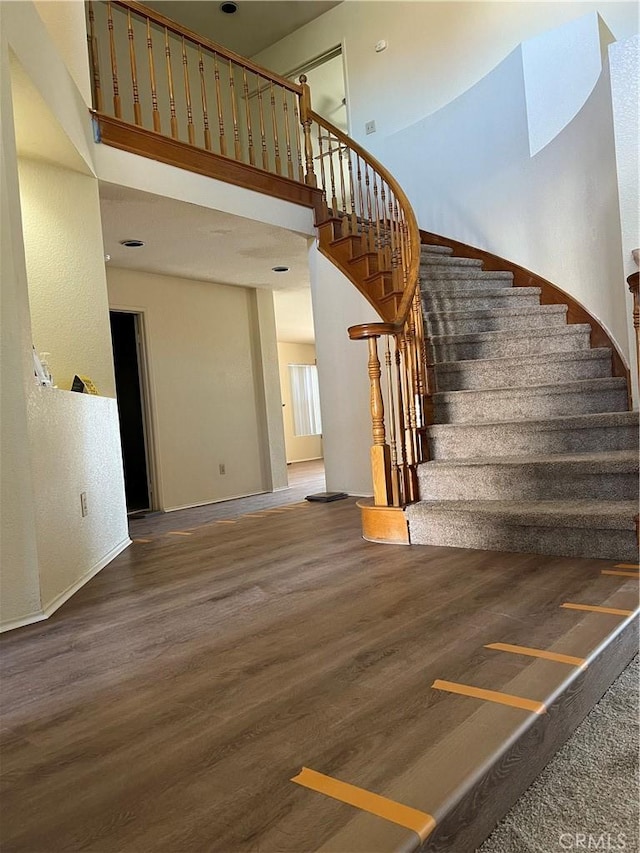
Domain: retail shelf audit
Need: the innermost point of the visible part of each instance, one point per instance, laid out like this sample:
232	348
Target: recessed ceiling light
229	8
280	269
132	244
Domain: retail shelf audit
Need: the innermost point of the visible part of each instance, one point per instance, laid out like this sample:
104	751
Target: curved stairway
533	447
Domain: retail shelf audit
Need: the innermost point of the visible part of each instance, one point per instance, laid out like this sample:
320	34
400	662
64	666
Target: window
305	399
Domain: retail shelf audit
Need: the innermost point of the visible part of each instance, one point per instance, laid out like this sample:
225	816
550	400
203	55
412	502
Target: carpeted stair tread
584	396
616	515
430	275
505	334
430	259
589	421
505	343
596	476
454	281
493	320
428	249
516	371
610	460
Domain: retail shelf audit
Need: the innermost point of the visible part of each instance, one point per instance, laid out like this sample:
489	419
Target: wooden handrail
412	223
203	41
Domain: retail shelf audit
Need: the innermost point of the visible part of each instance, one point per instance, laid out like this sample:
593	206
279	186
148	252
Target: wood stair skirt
533	448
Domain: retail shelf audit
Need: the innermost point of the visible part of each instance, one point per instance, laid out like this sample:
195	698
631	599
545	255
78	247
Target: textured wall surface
65	269
205	385
342	376
470	176
625	88
19	581
65	22
75	447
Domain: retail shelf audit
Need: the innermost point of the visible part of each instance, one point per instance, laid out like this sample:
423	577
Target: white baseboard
38	616
60	599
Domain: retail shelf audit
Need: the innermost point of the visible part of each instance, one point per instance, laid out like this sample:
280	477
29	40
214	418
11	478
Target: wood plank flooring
167	706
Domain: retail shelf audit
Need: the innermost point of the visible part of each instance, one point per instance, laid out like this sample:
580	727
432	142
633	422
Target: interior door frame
144	377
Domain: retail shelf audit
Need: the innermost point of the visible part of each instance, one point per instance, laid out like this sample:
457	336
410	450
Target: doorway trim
148	420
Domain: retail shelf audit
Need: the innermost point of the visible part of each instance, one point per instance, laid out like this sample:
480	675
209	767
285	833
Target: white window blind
305	399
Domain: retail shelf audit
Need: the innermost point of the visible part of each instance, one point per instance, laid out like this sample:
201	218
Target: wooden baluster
263	137
152	77
633	281
323	181
247	108
353	219
287	131
191	131
95	64
376	214
203	96
172	101
407	445
402	445
392	234
305	119
360	214
411	424
274	128
137	116
395	481
234	114
296	136
117	108
332	177
380	455
344	217
370	240
386	243
216	74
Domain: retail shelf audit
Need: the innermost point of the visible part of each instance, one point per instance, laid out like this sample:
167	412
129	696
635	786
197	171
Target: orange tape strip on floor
420	822
491	696
614	611
179	533
620	574
538	653
225	521
627	566
141	540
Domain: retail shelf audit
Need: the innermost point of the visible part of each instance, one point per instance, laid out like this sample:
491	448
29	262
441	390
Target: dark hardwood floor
167	705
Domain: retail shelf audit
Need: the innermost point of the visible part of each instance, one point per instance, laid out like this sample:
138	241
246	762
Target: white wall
207	387
625	87
299	447
436	50
342	376
54	444
65	269
75	447
470	176
65	23
19	581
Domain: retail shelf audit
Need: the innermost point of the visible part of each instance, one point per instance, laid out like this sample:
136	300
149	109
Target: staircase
532	447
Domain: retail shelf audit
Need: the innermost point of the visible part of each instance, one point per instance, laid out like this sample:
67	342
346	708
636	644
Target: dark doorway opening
126	341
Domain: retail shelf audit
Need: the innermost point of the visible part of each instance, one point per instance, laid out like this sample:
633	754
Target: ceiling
256	25
193	242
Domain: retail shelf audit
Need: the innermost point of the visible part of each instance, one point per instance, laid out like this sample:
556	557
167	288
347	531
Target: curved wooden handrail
203	41
551	295
412	223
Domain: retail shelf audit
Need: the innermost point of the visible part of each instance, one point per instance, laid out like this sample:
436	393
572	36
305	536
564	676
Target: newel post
380	450
305	121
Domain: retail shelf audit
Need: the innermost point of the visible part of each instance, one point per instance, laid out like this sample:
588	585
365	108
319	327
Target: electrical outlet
370	127
222	467
83	504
